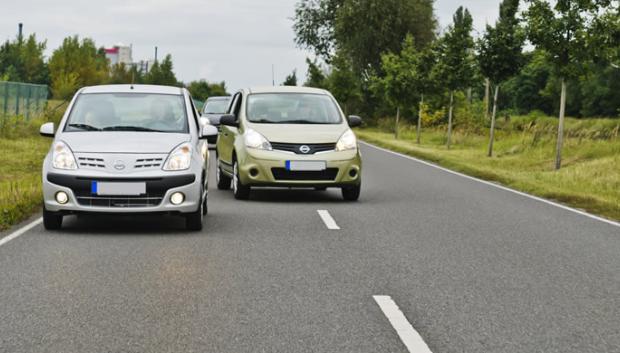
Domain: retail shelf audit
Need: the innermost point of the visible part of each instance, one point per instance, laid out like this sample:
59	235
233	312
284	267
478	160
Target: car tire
194	220
351	193
241	192
52	220
223	180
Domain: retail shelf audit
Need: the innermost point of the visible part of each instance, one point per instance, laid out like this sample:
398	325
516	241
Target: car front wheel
194	220
351	193
51	220
241	192
223	180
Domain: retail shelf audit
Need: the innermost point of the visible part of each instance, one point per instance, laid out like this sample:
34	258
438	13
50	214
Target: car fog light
177	198
62	197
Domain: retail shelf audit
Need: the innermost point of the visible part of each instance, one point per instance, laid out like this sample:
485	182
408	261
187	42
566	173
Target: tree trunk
420	119
469	97
558	153
492	134
450	119
487	91
396	125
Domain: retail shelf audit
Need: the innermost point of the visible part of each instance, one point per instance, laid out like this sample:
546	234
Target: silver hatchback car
127	149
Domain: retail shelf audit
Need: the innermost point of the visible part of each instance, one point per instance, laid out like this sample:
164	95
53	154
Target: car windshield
128	112
292	108
216	106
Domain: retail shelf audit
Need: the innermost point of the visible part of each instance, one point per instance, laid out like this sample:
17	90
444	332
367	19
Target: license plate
118	189
306	165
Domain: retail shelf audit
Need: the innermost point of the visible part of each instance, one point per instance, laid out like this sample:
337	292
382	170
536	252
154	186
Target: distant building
119	54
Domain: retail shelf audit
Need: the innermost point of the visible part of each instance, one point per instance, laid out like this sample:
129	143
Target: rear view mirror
208	132
229	120
47	130
203	121
354	121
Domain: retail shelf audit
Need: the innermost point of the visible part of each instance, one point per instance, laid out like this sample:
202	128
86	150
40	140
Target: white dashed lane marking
327	219
410	337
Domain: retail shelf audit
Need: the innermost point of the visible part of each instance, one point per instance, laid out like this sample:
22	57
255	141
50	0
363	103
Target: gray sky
232	40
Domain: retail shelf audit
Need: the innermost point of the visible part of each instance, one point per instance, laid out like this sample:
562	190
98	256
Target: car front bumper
267	168
159	189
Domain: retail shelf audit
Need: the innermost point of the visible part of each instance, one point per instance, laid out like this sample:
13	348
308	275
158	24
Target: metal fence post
19	91
6	98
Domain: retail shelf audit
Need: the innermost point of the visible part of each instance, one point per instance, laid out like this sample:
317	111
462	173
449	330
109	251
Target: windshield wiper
300	121
129	128
85	127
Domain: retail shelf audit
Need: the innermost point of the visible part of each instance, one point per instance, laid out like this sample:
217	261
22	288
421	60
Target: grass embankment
524	155
22	151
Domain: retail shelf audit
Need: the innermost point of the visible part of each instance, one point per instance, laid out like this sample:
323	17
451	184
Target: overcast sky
232	40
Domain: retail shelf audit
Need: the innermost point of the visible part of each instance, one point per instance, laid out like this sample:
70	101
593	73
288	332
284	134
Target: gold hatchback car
287	137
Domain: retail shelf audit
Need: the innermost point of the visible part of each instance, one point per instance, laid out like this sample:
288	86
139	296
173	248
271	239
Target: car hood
301	133
123	141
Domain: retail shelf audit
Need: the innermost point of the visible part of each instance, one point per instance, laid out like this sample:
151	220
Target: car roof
133	89
287	89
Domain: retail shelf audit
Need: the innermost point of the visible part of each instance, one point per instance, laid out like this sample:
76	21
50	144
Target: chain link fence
23	99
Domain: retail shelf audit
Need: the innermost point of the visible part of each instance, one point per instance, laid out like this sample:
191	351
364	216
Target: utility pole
273	76
20	28
155	53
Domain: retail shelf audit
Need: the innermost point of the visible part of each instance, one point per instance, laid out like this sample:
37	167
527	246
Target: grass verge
23	151
523	160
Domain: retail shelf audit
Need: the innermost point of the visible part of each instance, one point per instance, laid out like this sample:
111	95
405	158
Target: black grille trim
283	174
294	147
119	202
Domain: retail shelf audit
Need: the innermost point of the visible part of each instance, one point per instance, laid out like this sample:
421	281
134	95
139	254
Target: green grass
524	158
23	151
20	178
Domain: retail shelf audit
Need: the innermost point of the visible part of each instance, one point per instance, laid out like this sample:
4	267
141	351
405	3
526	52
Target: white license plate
118	189
306	165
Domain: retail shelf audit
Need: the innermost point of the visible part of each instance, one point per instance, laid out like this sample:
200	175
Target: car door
226	140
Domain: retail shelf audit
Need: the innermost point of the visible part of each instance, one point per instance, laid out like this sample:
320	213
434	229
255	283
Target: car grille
148	163
124	202
283	174
294	147
91	162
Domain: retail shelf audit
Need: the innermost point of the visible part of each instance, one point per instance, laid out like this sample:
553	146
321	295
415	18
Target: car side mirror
354	121
229	120
203	120
208	132
47	130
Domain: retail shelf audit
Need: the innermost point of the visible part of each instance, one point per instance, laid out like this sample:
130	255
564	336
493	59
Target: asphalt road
473	268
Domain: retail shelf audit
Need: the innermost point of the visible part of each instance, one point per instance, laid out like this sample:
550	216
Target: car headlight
347	141
62	157
180	158
255	140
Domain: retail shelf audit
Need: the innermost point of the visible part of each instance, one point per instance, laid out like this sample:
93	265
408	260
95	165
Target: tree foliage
399	83
343	82
77	61
455	67
315	77
363	29
162	73
500	50
291	79
202	89
23	60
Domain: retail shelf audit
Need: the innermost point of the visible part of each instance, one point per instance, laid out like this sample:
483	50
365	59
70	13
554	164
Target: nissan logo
119	165
304	149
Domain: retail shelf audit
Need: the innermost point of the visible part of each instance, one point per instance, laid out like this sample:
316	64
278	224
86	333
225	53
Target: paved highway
426	261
